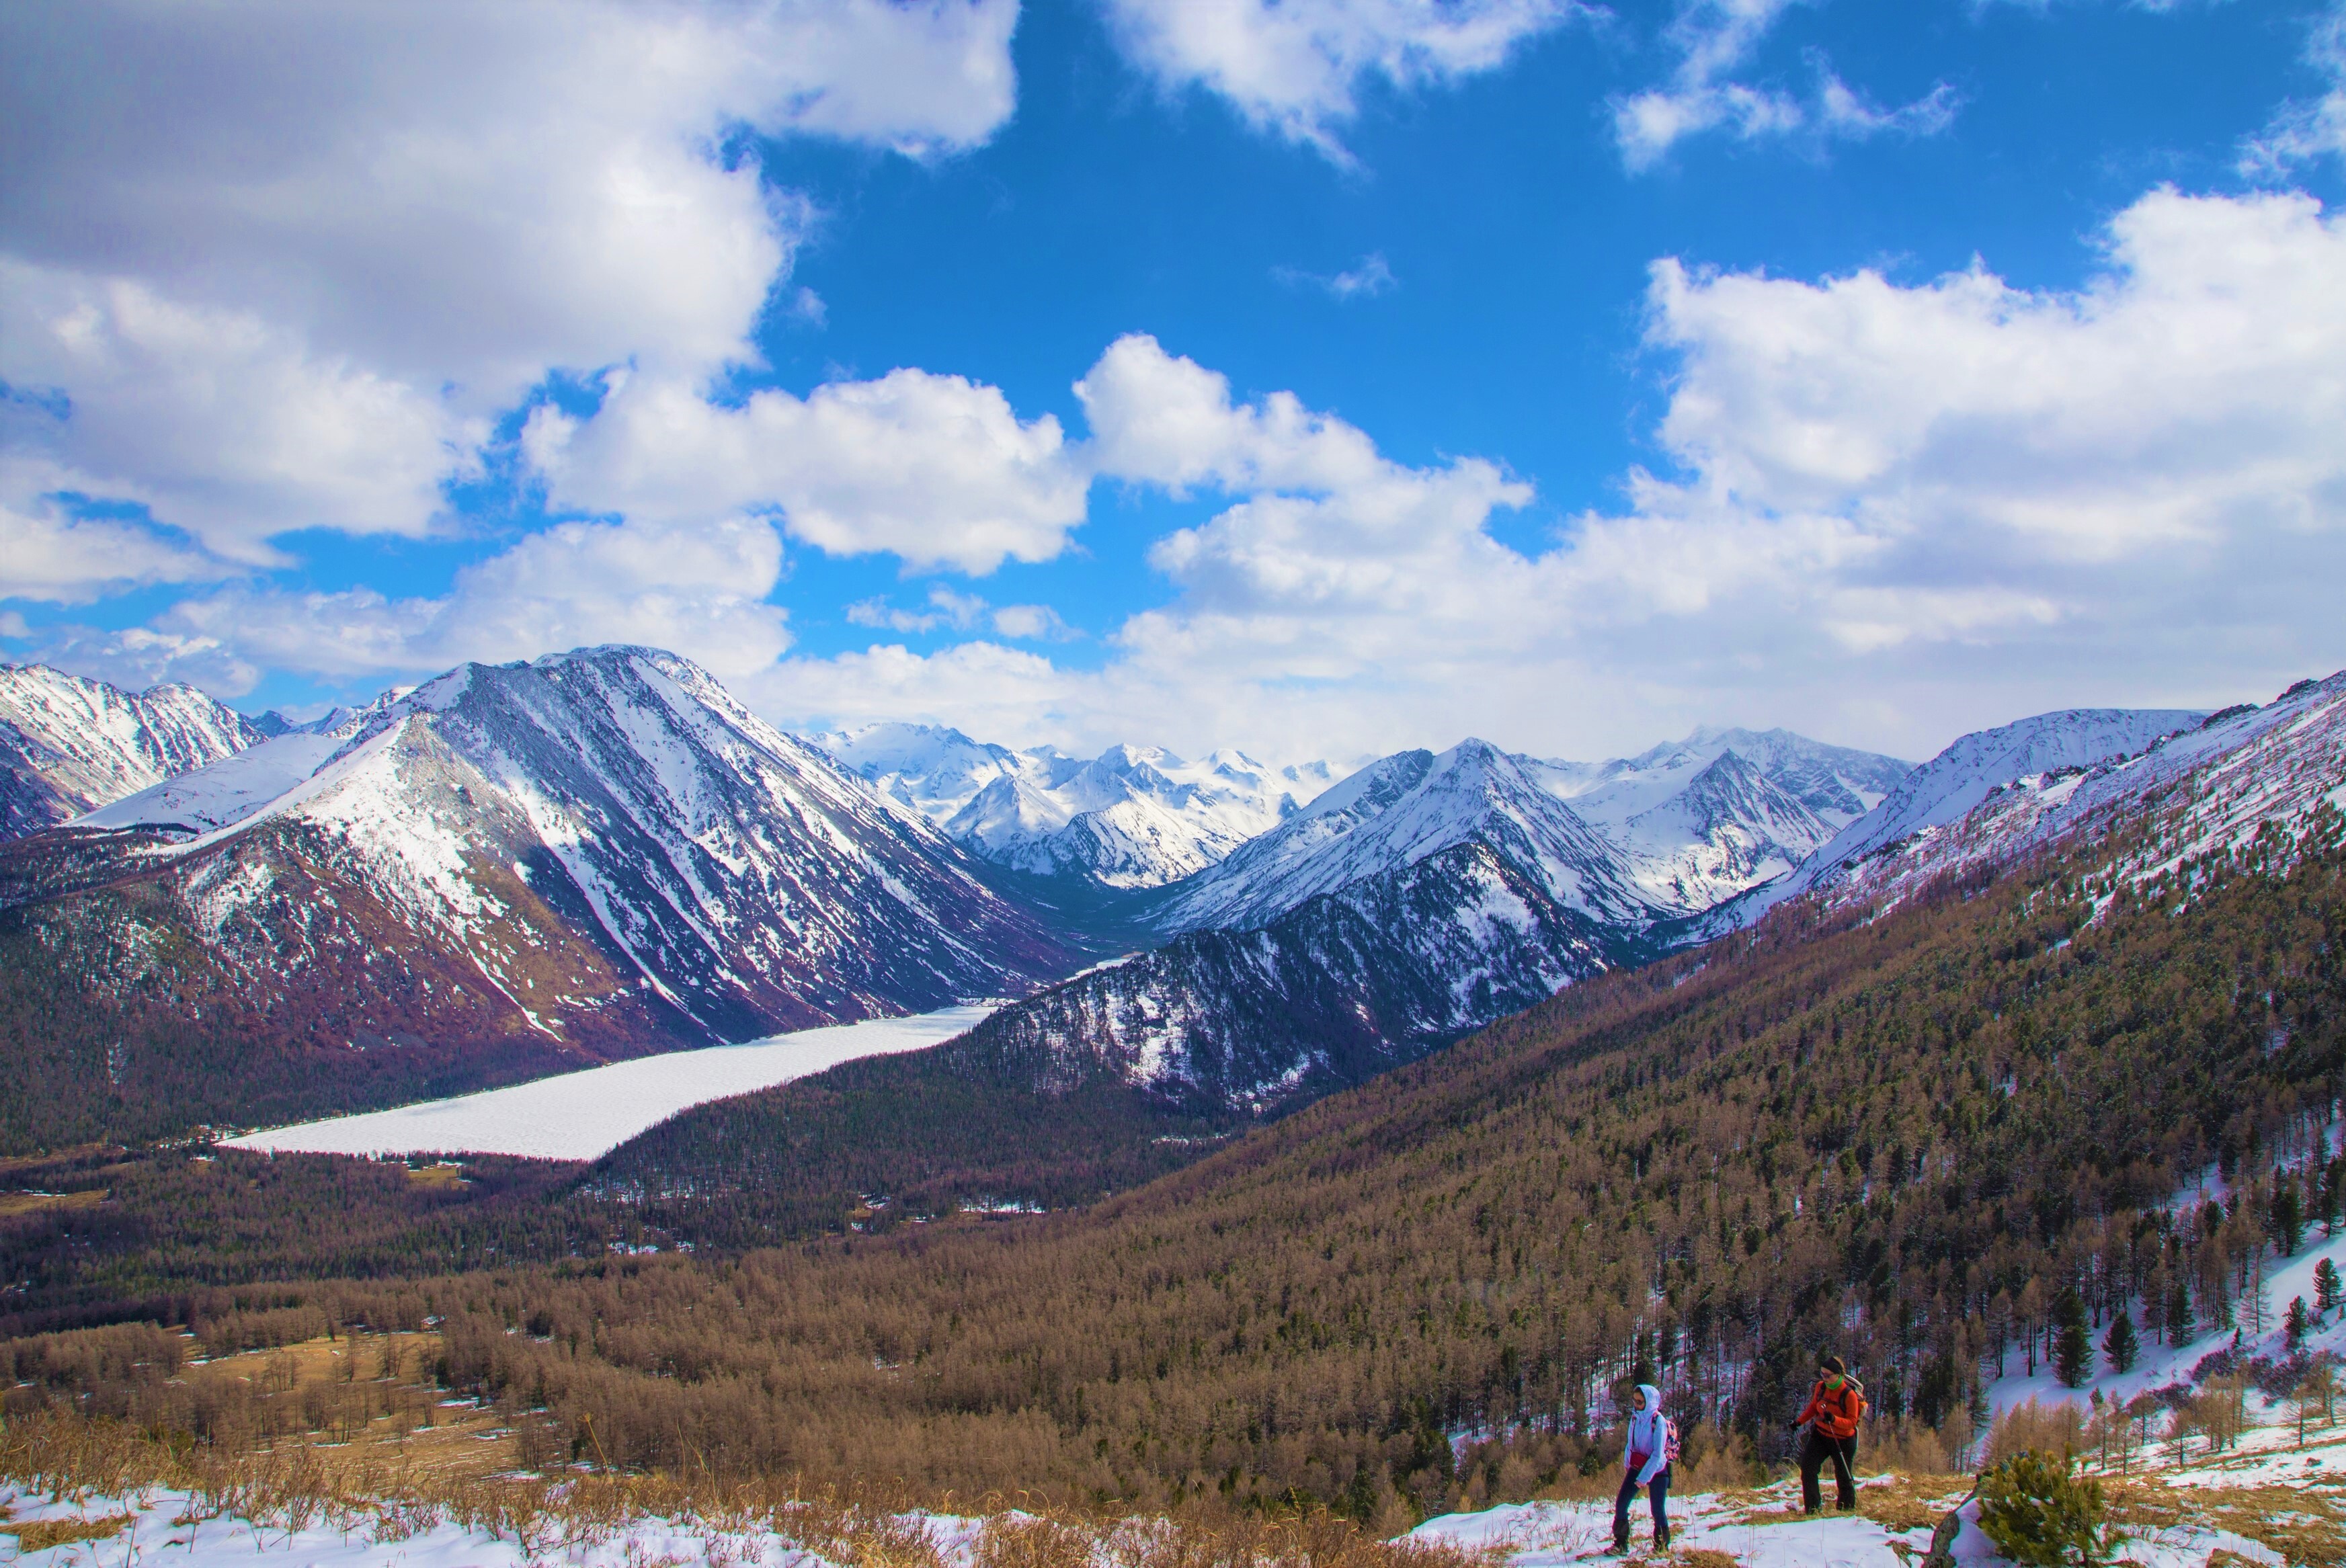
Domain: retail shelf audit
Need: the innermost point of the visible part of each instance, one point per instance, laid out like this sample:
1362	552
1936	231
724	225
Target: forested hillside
1905	1137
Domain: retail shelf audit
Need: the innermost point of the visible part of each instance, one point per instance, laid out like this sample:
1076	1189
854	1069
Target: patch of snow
583	1116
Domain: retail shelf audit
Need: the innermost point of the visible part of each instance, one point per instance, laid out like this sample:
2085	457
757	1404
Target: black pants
1659	1492
1818	1449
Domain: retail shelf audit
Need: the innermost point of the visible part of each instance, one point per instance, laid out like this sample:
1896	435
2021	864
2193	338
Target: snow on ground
2285	1278
582	1115
1764	1529
161	1528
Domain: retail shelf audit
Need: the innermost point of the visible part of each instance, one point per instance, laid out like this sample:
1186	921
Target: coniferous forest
1941	1141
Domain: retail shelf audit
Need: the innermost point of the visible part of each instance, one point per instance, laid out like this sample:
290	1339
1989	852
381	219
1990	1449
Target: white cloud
351	242
946	608
2300	132
47	556
1904	511
936	469
1169	422
1715	39
1893	512
1032	623
1371	277
1296	66
218	422
698	589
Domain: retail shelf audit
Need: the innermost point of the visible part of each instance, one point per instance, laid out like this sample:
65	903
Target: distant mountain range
1427	895
1133	817
516	869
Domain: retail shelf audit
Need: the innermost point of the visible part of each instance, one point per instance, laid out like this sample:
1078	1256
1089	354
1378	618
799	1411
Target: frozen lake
580	1115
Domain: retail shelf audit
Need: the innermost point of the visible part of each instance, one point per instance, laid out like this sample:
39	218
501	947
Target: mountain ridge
596	855
69	743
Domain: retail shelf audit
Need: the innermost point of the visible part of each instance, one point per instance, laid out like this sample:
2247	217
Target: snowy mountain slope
1730	828
1627	841
235	787
1839	784
931	769
68	744
2208	787
595	855
1398	811
1326	995
1931	807
1134	816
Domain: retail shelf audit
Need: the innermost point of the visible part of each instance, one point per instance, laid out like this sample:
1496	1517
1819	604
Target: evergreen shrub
2039	1511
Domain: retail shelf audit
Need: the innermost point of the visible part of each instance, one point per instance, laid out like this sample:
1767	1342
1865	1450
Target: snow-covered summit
1625	842
69	743
1133	817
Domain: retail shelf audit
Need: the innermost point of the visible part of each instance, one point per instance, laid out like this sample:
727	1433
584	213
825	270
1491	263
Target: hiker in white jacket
1645	1462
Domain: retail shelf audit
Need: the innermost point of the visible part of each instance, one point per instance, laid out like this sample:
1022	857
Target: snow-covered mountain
596	854
2194	783
68	744
1325	995
1426	896
1624	842
1133	817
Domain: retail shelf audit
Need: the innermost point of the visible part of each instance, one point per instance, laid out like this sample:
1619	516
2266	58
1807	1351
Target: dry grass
461	1443
385	1491
2305	1526
443	1176
13	1203
1705	1557
40	1536
1912	1501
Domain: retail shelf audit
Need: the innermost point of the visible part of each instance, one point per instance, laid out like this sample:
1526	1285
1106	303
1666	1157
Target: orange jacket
1835	1412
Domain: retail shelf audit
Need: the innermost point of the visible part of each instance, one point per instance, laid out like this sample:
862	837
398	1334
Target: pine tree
2072	1352
2119	1344
2333	1194
2326	1286
2041	1512
2288	1215
2298	1321
2180	1323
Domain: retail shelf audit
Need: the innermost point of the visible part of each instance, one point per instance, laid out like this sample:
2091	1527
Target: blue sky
1565	375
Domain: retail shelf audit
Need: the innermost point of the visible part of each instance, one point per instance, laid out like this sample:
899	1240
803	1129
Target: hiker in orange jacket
1833	1411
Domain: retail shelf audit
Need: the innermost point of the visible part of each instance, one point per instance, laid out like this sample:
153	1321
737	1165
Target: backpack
1670	1444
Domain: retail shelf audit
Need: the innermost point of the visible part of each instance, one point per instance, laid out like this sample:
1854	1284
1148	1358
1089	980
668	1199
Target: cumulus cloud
938	470
1890	510
1295	68
1714	40
1899	511
946	608
350	244
215	419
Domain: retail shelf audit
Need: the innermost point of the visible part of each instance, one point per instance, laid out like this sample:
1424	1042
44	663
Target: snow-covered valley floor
583	1116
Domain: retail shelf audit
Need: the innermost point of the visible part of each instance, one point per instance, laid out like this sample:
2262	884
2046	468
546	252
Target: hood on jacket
1653	1397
